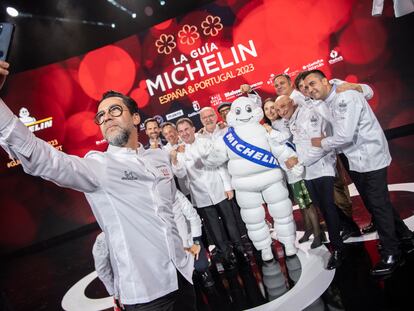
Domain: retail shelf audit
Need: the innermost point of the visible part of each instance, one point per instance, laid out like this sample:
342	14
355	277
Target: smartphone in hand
6	37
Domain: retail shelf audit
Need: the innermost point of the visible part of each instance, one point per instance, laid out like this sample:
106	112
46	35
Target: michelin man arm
213	152
278	137
284	152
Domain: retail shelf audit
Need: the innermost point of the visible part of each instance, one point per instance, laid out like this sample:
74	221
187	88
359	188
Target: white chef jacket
306	123
207	186
103	267
357	132
401	7
183	183
130	198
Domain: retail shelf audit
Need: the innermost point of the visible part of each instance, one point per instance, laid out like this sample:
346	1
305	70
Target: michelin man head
244	111
23	113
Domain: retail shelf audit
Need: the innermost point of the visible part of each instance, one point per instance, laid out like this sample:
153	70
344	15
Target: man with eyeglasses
130	198
223	109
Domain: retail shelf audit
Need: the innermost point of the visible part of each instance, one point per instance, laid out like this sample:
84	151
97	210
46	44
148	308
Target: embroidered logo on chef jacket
342	107
164	170
129	176
314	120
340	110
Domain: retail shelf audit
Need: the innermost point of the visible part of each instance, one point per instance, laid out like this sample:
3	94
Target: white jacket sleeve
38	158
377	7
100	252
346	113
225	177
311	155
190	214
366	89
179	169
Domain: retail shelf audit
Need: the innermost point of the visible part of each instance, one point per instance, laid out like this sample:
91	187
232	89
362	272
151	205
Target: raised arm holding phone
120	185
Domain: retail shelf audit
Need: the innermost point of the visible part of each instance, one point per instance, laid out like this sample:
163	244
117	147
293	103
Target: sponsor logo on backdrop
236	93
335	57
100	142
196	105
290	73
196	108
174	115
314	65
215	100
31	122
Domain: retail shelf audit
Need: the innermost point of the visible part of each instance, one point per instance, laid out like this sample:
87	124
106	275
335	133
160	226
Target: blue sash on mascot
249	152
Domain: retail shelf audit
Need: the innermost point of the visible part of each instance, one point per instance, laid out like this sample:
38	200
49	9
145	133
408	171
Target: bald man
305	123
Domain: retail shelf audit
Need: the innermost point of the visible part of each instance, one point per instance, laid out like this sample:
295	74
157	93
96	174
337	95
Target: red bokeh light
107	68
363	41
351	78
141	96
164	25
80	127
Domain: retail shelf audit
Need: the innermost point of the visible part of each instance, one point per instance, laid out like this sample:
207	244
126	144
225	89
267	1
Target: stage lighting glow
113	25
12	11
162	2
122	8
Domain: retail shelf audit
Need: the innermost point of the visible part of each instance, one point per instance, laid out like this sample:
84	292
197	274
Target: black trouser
211	216
373	189
201	264
240	223
321	190
182	299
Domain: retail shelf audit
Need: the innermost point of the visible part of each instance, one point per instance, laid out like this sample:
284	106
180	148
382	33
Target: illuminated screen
179	66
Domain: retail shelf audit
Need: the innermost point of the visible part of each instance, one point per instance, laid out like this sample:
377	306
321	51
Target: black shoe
317	241
335	260
305	237
346	234
241	255
230	261
387	265
206	279
369	229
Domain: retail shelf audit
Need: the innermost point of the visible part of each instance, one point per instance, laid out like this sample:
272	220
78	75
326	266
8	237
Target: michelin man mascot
253	163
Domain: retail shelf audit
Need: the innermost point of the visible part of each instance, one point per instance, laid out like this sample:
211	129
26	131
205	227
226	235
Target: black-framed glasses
114	111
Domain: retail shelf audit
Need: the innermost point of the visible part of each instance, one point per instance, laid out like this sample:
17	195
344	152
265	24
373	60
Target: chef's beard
120	139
